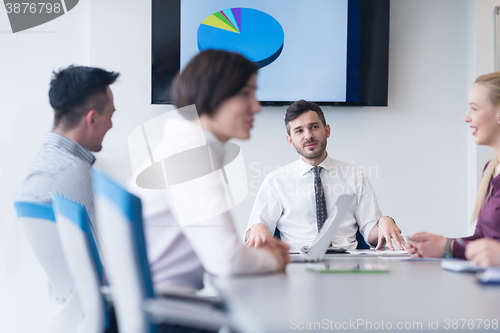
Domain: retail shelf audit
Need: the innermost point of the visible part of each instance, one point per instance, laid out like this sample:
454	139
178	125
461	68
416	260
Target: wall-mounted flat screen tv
333	52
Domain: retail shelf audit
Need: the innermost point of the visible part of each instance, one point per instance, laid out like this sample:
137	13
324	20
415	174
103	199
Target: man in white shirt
296	201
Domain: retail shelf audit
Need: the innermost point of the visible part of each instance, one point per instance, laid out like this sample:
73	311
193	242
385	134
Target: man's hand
385	232
484	252
279	250
257	235
427	245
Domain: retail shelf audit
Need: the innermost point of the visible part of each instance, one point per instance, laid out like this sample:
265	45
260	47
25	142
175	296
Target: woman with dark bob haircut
211	77
222	86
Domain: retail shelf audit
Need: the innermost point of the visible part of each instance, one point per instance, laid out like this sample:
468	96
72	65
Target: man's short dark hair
300	107
76	90
211	77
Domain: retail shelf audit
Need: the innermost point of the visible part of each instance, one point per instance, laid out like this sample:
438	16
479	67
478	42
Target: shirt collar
70	145
215	144
305	167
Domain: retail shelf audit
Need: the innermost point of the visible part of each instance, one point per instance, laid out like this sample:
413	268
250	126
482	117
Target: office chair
39	225
79	248
137	307
361	241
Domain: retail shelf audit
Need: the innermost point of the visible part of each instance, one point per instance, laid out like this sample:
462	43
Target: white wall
419	144
27	60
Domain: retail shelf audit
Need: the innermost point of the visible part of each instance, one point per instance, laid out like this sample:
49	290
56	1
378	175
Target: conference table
413	296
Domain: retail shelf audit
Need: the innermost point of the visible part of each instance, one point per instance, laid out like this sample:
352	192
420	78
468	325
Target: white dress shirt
179	255
286	200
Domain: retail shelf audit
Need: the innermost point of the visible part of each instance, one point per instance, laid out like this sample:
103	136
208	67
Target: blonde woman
483	118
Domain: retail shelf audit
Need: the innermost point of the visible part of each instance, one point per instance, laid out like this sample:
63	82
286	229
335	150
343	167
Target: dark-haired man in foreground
298	198
83	106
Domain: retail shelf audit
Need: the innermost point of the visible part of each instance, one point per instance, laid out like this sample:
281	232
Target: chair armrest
187	295
186	312
107	293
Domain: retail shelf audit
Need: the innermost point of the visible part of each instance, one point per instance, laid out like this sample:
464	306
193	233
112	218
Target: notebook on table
347	267
458	265
489	276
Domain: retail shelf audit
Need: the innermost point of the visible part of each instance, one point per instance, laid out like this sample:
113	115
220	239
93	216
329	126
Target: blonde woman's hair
492	81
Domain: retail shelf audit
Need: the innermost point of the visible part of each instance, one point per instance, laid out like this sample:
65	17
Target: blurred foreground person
222	86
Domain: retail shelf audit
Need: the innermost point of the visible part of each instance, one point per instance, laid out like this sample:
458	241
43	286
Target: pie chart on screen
251	32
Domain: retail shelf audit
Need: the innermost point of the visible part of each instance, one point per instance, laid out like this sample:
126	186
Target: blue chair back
80	250
39	225
120	214
361	241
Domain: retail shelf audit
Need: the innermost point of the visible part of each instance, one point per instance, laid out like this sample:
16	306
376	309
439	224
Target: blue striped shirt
62	166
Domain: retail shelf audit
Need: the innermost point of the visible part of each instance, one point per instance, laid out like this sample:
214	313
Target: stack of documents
489	276
379	253
343	267
457	265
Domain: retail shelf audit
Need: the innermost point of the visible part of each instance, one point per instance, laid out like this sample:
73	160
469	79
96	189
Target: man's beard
311	155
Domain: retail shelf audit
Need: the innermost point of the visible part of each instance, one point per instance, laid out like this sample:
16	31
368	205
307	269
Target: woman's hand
484	252
427	245
279	250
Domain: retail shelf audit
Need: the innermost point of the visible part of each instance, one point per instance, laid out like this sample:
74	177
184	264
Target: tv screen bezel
373	53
